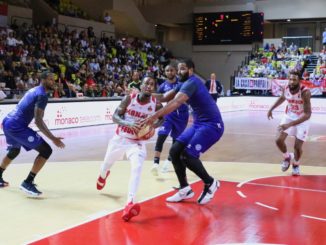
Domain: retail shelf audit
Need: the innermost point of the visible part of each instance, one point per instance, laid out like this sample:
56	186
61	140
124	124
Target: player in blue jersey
18	134
207	129
174	123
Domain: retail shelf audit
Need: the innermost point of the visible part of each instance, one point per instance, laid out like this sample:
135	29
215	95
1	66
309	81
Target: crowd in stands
82	63
275	62
66	7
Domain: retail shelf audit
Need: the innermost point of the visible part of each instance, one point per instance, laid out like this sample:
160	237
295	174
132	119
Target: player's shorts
200	137
299	131
120	146
18	136
175	127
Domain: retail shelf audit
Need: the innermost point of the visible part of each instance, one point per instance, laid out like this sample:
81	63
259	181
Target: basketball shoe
154	169
182	194
287	162
101	182
208	192
3	183
131	210
30	189
295	170
166	166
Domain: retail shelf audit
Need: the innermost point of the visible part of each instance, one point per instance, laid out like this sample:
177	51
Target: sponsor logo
254	105
61	120
108	115
30	138
198	147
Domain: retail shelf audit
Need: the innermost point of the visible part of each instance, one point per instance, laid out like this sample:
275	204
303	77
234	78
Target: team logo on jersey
198	147
150	108
30	138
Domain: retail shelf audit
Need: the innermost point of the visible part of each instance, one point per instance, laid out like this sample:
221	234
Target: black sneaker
208	193
30	189
3	183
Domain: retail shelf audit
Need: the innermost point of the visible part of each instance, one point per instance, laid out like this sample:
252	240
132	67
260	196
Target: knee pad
45	150
13	153
160	141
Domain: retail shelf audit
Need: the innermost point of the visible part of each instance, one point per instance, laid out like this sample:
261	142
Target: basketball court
256	204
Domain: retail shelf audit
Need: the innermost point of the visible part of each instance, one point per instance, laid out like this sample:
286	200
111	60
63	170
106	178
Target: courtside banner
71	114
259	83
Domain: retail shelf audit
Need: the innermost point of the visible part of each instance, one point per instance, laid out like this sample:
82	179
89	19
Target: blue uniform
15	124
175	122
208	126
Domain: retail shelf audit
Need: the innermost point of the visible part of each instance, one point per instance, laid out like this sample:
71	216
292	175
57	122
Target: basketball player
174	123
207	129
18	134
127	140
295	122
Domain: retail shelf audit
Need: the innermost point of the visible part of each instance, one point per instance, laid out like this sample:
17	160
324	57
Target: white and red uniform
127	142
136	111
295	110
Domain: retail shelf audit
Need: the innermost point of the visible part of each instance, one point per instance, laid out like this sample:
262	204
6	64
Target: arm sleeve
41	101
188	88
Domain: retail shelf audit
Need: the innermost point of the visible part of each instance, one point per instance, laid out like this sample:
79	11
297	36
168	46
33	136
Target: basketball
146	132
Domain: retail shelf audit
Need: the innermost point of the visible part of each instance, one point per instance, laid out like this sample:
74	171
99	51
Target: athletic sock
1	172
296	163
30	177
157	160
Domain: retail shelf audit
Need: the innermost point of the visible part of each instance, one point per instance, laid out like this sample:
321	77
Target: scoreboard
227	28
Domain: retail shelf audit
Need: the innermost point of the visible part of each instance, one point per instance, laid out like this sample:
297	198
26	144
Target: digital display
226	28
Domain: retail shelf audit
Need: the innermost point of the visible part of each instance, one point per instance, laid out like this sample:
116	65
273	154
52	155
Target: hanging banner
316	88
259	83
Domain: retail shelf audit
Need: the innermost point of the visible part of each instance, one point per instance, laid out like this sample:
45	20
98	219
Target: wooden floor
247	150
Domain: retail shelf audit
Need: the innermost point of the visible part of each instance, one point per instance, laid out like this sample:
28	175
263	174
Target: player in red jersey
295	121
130	140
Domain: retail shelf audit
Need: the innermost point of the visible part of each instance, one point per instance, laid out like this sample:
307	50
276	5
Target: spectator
107	18
324	40
214	87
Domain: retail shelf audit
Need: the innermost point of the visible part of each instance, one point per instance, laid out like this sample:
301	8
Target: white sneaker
154	169
208	192
287	162
295	170
182	194
166	166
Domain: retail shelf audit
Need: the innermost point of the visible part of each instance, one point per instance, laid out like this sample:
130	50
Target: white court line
246	181
312	217
241	194
288	187
266	206
96	216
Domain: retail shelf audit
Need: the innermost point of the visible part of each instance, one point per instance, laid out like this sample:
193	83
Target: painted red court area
229	218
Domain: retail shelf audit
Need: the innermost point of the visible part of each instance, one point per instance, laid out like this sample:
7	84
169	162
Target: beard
184	77
294	88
